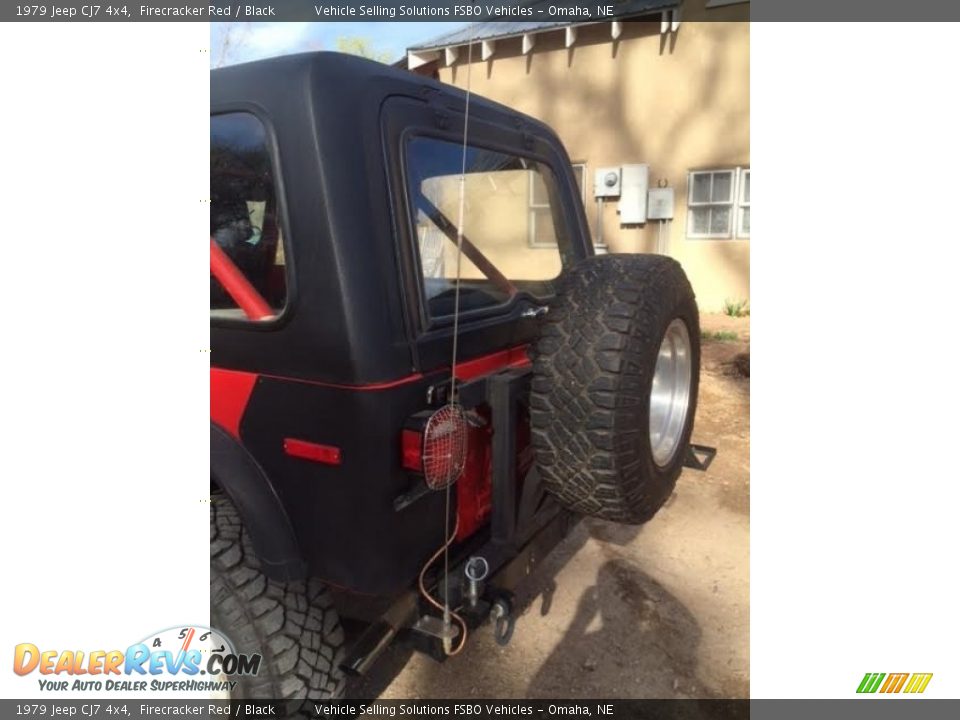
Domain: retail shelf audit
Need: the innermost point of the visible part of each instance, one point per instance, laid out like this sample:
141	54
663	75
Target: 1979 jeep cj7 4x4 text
421	374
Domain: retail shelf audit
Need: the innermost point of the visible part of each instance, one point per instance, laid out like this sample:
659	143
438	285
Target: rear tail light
411	449
445	447
434	444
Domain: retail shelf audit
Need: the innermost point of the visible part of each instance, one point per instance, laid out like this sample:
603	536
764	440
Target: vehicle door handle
534	312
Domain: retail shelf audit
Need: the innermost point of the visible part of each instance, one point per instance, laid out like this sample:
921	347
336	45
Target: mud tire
593	369
293	625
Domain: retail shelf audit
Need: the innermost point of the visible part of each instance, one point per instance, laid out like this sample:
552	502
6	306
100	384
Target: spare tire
615	377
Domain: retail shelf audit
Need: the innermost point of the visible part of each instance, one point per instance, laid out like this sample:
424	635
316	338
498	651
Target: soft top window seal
281	316
520	300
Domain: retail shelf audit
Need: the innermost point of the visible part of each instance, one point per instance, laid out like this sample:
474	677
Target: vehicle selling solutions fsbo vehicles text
381	11
458	11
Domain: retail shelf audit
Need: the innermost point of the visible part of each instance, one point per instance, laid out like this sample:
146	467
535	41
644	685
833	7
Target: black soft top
344	76
348	316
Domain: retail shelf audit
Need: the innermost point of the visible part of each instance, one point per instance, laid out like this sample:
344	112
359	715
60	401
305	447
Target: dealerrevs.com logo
182	659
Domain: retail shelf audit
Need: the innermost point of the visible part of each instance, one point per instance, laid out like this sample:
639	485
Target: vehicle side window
498	259
243	213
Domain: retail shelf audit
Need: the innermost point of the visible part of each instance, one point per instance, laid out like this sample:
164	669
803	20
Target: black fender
239	475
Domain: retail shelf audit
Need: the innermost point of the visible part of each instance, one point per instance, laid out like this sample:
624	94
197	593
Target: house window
743	214
710	202
541	219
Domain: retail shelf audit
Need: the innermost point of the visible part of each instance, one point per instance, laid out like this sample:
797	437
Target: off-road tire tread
294	624
593	366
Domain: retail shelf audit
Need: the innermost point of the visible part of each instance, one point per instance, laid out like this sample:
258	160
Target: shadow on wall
730	254
592	99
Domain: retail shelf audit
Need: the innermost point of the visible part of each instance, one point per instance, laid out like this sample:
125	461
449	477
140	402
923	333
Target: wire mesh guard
444	447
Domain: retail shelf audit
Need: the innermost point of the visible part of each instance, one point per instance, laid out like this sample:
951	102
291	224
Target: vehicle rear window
243	214
503	254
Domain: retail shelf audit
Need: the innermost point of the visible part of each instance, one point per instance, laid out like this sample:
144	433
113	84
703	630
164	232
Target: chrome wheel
670	393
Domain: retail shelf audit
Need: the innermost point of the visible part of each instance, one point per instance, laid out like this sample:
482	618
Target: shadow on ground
626	609
625	626
659	611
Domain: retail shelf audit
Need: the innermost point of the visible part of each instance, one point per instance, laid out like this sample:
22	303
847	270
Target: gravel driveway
659	611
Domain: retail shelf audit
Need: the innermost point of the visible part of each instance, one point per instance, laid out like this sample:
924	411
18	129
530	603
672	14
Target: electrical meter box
606	182
660	204
634	180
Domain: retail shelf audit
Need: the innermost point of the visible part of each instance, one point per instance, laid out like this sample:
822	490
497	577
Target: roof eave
424	54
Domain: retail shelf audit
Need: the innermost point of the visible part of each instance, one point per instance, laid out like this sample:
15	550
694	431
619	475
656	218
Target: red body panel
230	392
474	488
486	364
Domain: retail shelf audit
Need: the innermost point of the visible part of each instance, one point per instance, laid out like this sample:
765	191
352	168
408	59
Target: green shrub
736	308
719	335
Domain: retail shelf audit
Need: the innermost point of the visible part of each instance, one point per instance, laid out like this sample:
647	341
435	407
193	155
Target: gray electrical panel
660	204
606	182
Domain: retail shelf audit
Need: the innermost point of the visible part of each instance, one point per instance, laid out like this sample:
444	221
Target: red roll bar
237	286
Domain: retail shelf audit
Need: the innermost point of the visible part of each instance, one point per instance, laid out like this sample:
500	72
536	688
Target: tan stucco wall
678	102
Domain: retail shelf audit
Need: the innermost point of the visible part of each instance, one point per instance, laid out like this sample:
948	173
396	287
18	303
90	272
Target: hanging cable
445	550
460	219
445	607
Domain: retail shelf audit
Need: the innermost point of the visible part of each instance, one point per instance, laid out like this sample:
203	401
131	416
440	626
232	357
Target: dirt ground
659	611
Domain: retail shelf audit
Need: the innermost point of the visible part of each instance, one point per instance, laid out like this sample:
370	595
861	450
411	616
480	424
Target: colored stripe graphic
186	640
870	682
894	682
918	682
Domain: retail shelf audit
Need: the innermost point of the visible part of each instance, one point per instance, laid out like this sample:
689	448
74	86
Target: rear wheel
293	625
614	394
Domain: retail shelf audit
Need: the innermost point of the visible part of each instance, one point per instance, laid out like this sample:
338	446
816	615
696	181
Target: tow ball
476	571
